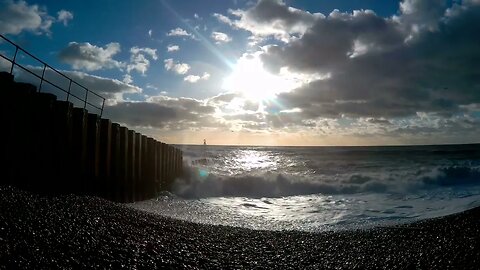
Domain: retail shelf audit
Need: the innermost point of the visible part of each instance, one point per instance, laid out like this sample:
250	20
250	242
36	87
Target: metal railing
43	79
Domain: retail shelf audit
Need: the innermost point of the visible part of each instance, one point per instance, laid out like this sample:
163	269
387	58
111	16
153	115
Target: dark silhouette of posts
164	166
130	188
138	166
79	153
105	157
50	146
150	185
62	138
20	134
158	167
7	87
145	172
123	177
42	114
115	163
93	154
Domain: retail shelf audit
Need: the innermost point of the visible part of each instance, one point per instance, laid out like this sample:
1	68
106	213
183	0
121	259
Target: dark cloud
163	112
271	18
377	69
90	57
19	16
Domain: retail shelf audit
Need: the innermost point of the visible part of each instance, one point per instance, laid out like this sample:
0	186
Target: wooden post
122	180
79	150
131	166
93	155
144	179
62	138
112	185
138	166
105	157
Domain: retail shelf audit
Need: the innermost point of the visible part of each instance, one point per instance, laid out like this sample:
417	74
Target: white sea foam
316	189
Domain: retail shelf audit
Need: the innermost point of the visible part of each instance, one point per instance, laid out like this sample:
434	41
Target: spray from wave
198	183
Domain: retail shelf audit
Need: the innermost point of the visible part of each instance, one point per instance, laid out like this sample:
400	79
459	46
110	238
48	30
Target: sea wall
50	146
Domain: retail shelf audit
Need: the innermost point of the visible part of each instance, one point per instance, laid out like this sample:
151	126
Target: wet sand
74	232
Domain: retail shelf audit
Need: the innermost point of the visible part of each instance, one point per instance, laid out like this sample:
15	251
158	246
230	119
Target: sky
264	72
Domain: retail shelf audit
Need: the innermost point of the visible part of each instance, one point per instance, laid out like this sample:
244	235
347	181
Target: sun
254	82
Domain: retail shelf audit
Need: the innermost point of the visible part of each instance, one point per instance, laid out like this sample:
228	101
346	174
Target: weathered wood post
112	186
158	165
105	157
138	166
130	188
62	137
144	180
122	179
20	134
93	154
41	165
79	150
150	168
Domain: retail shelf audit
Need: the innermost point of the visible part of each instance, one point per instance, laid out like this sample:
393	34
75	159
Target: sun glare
254	82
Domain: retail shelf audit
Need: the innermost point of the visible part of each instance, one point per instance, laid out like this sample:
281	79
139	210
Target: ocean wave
199	184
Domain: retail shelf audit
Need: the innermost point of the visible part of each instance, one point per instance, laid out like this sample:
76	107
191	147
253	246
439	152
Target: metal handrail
42	78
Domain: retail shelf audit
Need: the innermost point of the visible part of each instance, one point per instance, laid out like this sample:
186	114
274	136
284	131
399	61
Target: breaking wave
198	184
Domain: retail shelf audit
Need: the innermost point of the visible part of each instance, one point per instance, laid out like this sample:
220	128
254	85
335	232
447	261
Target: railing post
69	87
41	79
14	58
86	97
103	104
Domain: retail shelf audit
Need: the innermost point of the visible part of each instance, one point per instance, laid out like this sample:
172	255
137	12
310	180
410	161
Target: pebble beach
72	232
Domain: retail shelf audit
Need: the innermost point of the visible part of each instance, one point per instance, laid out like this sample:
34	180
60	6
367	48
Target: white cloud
220	37
271	18
64	16
223	19
90	57
109	88
179	68
16	17
196	78
151	86
179	32
127	79
138	60
173	48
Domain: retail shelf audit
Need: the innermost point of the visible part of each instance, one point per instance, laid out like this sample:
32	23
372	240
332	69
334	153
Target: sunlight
254	82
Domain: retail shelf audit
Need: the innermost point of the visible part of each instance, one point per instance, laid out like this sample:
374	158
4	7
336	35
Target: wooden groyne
50	146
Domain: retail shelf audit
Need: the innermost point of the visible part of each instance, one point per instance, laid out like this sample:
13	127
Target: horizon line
384	145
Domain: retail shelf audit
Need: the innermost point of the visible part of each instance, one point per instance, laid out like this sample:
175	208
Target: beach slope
74	232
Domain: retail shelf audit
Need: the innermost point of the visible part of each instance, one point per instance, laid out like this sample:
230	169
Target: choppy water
322	188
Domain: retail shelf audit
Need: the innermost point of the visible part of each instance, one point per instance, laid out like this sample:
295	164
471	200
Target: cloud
223	19
163	112
109	88
220	37
127	79
179	32
195	78
173	48
376	69
19	16
138	59
64	16
90	57
179	68
271	18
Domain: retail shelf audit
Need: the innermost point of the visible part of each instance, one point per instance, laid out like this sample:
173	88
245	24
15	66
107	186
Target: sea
318	189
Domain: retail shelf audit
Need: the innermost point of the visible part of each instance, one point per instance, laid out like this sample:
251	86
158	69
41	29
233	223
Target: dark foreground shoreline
84	232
